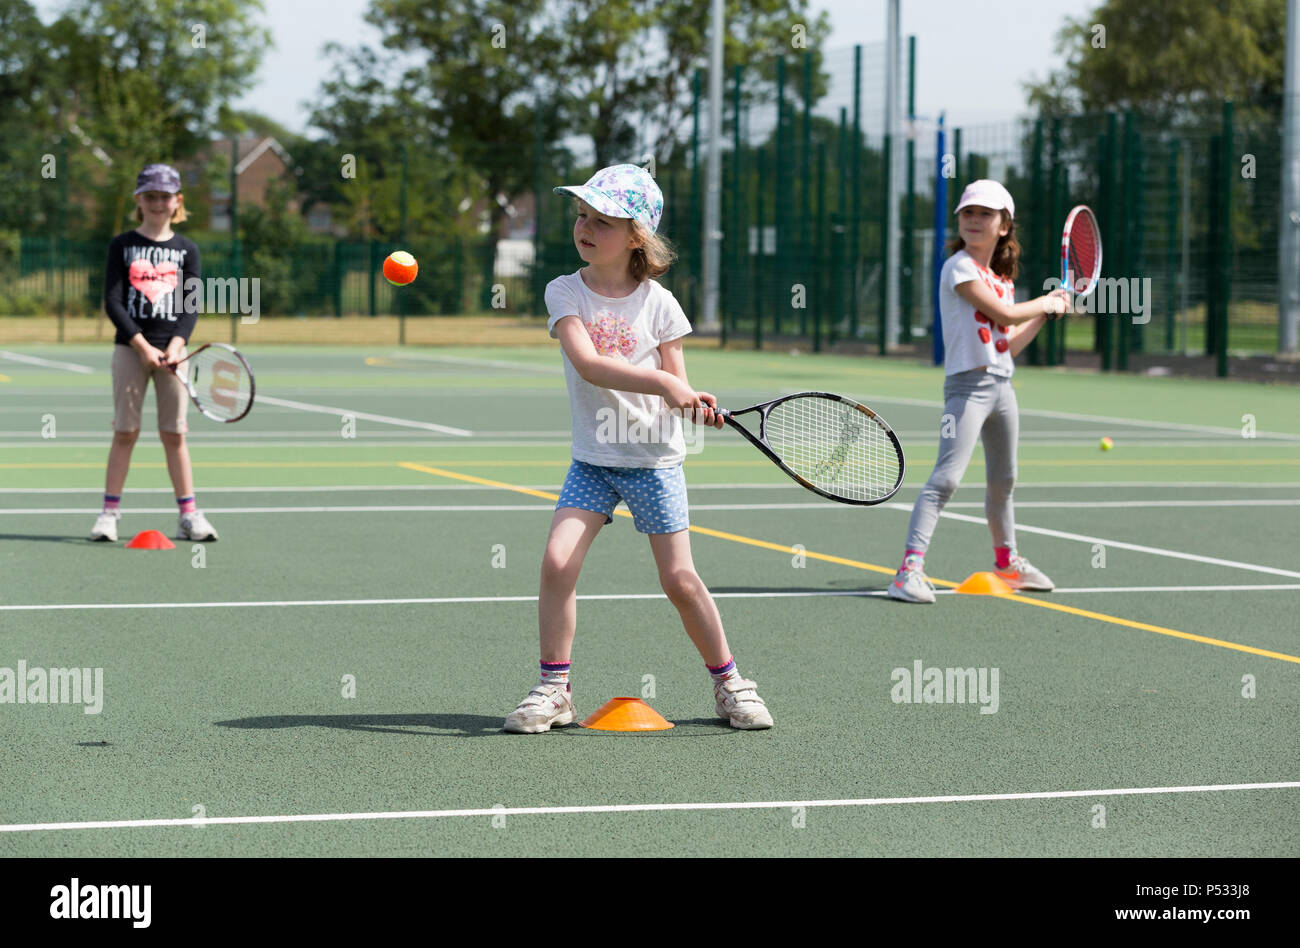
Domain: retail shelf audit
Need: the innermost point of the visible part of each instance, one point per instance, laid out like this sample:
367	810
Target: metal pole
940	220
908	287
713	202
1288	260
234	224
401	297
893	61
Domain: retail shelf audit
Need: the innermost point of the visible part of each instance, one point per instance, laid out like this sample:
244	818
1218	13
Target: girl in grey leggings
983	330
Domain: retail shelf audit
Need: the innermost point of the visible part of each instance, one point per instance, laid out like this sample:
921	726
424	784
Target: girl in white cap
621	335
984	329
150	270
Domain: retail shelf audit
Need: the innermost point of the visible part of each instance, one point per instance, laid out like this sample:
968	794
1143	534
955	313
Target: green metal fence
1187	207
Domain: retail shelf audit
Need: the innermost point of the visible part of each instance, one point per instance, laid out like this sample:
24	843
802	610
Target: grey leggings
975	405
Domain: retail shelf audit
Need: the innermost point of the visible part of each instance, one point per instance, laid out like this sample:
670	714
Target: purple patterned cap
622	191
158	178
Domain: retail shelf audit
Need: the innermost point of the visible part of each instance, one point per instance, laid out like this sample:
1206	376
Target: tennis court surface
330	677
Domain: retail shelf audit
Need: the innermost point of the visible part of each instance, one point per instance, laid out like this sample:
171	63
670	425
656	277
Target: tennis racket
219	381
829	444
1080	252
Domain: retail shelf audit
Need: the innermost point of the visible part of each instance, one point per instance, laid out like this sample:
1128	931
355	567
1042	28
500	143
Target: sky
972	55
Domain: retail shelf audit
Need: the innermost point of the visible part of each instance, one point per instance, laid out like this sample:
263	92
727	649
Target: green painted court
380	519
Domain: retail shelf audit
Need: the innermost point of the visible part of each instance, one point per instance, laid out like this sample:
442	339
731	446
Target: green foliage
1168	59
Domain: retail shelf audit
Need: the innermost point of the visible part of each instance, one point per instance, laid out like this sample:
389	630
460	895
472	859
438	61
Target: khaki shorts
131	378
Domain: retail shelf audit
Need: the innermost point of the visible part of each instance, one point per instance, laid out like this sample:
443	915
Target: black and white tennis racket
219	381
829	444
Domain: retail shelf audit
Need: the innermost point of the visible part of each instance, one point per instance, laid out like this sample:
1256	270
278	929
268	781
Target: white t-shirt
620	429
971	339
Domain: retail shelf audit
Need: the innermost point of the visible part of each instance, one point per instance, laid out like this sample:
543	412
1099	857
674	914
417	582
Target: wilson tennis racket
829	444
1080	252
219	381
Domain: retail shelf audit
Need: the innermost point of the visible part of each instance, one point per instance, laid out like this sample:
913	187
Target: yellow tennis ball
1107	444
400	268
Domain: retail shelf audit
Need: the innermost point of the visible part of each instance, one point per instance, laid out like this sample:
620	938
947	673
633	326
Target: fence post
697	230
1171	233
780	266
885	254
804	174
1225	243
739	239
370	271
907	284
940	219
1033	240
539	201
1051	248
760	269
855	255
1109	231
235	262
1123	321
819	253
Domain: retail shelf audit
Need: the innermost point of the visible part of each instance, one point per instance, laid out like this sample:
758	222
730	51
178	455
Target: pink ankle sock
186	504
1002	556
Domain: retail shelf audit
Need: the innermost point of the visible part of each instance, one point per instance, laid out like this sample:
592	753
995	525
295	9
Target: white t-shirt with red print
620	429
971	339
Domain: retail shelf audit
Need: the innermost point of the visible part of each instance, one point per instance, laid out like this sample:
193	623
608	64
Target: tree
1168	59
27	130
145	80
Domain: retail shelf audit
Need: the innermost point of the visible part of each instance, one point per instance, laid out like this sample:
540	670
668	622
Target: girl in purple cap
621	336
149	271
984	329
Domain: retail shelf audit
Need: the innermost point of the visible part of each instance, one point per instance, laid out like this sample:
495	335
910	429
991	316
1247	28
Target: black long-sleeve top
148	286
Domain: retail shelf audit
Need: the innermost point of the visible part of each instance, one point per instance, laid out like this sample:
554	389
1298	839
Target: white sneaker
1022	574
910	582
737	701
195	526
545	707
106	526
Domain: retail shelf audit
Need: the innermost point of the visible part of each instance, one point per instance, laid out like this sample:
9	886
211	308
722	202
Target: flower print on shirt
611	334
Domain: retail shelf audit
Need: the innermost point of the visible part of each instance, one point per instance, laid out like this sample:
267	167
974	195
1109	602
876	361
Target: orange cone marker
626	714
150	540
985	584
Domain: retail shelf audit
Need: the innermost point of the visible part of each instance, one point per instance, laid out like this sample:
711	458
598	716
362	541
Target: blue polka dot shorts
655	496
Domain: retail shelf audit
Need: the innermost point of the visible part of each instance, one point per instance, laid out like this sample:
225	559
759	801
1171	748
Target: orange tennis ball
400	268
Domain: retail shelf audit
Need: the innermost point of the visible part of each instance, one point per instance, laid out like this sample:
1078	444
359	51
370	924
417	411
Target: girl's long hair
652	259
1006	255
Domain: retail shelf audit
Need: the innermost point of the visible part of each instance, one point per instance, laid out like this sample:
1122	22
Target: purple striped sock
111	501
556	673
723	672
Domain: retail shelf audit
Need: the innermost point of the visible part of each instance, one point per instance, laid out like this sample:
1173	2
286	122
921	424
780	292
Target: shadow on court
450	725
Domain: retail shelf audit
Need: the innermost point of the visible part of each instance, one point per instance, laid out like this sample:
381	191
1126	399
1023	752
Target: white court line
492	363
48	363
1119	545
970	485
642	807
1107	419
824	505
386	419
515	507
593	597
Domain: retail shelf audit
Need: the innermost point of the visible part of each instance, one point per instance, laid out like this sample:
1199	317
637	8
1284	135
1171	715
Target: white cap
986	193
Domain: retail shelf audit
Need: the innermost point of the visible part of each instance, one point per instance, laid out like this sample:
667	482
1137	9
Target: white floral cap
622	191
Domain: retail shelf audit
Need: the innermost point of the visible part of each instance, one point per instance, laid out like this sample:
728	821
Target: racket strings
1083	256
223	386
834	446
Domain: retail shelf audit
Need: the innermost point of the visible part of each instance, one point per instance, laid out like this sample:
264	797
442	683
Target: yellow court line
69	465
5	378
872	567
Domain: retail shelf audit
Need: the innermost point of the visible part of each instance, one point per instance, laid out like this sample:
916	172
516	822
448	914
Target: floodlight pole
713	188
1288	297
